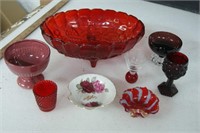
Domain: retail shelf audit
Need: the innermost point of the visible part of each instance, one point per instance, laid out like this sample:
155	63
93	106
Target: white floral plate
90	91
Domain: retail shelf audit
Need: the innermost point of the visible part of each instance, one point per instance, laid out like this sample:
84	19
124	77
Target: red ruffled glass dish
92	34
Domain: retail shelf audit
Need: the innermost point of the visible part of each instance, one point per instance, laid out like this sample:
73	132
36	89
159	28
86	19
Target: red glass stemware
174	66
162	43
92	34
134	59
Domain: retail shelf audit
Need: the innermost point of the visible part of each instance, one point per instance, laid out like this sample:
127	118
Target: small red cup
45	93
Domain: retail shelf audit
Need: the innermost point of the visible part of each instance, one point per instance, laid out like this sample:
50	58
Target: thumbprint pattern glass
174	66
45	93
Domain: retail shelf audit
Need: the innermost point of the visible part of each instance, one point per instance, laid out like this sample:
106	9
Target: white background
19	112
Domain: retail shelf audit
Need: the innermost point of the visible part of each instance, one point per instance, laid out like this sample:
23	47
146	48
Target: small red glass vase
45	93
92	34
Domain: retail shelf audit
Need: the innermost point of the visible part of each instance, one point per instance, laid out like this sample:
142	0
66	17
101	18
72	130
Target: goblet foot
166	90
131	77
29	82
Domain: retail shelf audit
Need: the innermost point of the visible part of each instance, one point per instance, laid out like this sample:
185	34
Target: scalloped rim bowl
81	99
92	34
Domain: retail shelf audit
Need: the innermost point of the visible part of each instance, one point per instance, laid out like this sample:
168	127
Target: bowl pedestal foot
93	63
29	82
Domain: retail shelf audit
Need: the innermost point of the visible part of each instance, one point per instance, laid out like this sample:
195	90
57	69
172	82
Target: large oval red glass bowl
92	34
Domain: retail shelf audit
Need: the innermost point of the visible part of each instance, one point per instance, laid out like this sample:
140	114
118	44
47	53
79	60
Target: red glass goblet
134	60
162	43
27	59
174	66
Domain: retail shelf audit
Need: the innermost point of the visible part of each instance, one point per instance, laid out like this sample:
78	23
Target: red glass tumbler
45	92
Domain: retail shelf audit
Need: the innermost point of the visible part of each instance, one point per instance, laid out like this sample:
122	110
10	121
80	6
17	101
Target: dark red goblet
162	43
174	66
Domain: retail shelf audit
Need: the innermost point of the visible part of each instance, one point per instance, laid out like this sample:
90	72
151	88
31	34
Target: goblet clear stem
133	70
157	59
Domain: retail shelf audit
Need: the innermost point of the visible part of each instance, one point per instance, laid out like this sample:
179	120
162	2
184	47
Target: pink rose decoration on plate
98	87
87	86
93	86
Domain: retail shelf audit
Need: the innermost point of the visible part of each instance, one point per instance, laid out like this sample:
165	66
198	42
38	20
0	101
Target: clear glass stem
157	59
133	70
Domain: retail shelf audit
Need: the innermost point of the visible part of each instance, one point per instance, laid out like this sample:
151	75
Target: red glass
45	93
92	34
139	101
174	66
27	59
134	60
162	43
131	77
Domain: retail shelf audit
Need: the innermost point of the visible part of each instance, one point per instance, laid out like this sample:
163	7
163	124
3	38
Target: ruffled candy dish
90	91
27	59
139	101
92	34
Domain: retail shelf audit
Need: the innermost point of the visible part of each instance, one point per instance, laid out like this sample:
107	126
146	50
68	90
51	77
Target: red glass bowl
27	59
139	101
92	34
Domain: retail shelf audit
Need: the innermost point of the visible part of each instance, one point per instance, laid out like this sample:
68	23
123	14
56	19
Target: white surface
19	112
